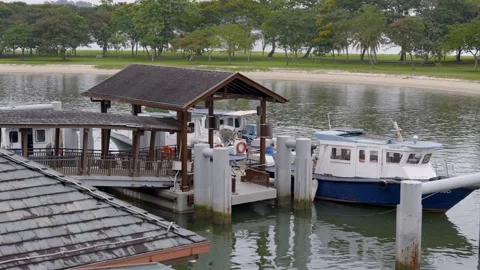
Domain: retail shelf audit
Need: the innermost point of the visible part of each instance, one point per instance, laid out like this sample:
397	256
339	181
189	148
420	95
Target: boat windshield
414	158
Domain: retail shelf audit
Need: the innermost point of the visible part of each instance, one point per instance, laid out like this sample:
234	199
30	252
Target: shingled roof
49	221
176	88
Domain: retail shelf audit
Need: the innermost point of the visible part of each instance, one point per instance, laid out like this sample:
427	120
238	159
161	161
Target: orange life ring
241	147
218	145
168	152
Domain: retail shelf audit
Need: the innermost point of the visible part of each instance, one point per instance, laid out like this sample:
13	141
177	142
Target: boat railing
442	167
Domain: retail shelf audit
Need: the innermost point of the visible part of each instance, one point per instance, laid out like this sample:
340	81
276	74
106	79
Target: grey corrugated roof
72	119
48	221
175	88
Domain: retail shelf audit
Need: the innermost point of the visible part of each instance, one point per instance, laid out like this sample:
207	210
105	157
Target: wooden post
179	134
83	159
57	142
184	153
211	116
136	150
136	109
24	132
263	130
104	106
151	152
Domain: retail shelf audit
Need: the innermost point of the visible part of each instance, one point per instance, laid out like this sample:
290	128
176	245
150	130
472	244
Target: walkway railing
116	163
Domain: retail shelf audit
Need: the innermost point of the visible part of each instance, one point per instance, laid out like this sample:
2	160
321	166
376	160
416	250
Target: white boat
352	166
10	138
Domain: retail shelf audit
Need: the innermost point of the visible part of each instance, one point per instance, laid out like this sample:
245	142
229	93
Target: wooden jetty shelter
127	169
51	221
179	89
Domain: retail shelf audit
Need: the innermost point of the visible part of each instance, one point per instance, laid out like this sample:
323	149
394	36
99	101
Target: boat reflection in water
329	235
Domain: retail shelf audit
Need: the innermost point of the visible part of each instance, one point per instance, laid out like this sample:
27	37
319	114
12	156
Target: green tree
368	27
334	28
233	38
408	34
101	28
62	30
292	29
18	36
158	20
122	21
467	37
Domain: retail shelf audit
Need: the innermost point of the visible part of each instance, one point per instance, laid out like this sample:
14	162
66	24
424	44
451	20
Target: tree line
423	29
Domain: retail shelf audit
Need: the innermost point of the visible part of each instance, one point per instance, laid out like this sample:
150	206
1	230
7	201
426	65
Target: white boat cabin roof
359	136
201	112
204	111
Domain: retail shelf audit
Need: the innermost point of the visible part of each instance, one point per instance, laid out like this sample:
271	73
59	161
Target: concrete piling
303	174
213	185
221	186
283	171
202	180
409	226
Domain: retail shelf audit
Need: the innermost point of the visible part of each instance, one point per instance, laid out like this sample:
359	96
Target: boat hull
382	193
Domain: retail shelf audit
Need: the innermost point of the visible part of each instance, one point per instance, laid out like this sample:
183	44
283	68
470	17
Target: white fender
314	188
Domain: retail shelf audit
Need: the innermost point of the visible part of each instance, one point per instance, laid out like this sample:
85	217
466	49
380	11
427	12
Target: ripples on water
331	236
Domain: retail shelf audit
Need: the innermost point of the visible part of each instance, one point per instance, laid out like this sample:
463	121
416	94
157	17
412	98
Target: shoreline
326	76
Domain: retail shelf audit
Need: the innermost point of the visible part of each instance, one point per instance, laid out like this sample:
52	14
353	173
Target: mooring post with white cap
202	180
303	174
283	172
221	186
409	226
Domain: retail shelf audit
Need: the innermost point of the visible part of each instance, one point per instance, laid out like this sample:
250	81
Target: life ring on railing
241	147
218	145
168	152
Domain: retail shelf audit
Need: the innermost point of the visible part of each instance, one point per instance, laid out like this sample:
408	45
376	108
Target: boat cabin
10	138
350	153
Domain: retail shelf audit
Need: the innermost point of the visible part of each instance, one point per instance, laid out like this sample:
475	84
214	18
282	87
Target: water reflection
331	235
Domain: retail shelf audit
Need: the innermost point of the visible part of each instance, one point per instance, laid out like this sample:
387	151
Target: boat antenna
397	130
329	124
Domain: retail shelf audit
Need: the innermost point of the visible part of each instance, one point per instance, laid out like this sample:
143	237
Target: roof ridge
92	191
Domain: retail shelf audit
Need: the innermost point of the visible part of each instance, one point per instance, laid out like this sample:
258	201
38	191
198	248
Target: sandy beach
422	82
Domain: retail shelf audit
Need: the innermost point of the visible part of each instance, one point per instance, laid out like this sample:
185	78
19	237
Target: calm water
331	236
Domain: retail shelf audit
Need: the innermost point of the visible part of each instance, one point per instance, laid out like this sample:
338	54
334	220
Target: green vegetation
221	34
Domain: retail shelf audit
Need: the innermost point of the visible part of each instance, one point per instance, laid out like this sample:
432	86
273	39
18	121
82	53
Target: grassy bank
388	64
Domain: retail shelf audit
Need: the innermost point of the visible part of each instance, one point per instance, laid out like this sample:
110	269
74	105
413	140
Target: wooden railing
116	163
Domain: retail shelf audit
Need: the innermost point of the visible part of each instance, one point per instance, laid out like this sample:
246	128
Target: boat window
426	158
237	123
40	135
394	157
230	122
414	158
221	122
361	156
13	135
340	154
373	156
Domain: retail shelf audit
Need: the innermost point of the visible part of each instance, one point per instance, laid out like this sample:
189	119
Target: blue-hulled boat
353	167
